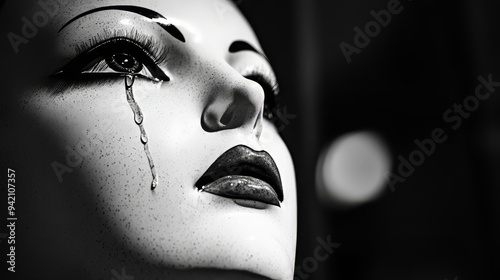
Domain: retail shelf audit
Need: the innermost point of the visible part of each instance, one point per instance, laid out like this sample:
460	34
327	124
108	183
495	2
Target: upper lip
244	161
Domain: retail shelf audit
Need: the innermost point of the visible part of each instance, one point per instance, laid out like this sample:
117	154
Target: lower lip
246	191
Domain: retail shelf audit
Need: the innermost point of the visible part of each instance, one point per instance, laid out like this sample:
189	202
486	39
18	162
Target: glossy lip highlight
242	173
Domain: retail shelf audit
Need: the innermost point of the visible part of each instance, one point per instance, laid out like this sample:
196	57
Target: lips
242	173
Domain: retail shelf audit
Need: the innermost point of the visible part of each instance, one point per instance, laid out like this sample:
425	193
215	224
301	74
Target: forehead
207	21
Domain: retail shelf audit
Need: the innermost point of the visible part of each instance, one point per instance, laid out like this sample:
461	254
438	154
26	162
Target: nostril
229	111
234	116
218	117
227	117
212	116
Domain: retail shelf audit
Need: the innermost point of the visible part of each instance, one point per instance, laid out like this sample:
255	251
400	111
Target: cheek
99	141
99	138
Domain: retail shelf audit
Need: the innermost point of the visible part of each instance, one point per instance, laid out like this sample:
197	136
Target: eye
271	92
115	56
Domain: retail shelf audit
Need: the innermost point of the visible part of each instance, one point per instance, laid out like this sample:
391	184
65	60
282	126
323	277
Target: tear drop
144	138
129	81
138	118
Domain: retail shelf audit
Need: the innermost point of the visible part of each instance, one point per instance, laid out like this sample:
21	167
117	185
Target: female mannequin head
204	89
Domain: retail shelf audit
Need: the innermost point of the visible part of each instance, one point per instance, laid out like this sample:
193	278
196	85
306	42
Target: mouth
244	174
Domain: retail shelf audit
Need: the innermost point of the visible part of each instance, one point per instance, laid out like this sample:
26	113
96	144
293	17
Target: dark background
443	222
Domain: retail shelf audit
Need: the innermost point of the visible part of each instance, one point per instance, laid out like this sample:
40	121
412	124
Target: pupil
123	62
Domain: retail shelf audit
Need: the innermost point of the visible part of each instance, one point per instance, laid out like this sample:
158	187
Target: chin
218	234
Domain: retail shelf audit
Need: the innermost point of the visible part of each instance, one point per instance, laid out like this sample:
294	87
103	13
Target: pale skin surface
103	216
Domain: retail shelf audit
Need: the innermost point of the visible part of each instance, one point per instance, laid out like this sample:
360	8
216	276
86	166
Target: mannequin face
204	88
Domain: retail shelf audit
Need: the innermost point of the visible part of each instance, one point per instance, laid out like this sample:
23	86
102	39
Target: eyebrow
238	46
156	17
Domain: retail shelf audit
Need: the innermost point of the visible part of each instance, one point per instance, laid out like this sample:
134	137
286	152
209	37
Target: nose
235	102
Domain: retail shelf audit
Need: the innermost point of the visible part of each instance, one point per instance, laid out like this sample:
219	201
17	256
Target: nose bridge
234	102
